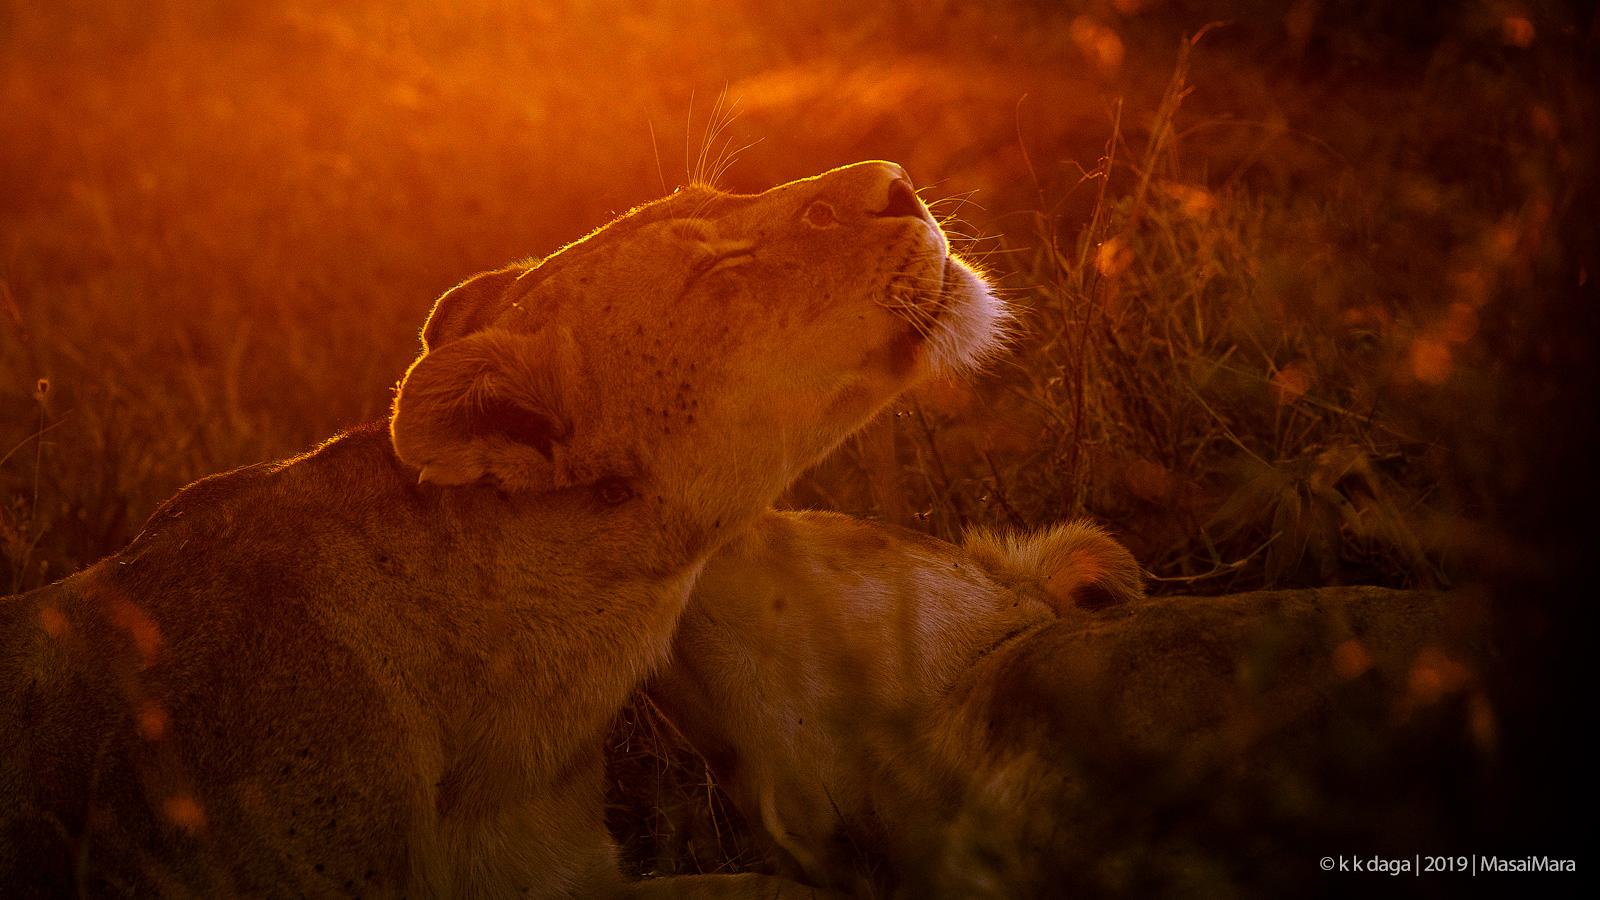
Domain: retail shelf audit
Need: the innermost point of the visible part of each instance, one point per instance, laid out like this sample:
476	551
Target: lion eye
613	491
821	215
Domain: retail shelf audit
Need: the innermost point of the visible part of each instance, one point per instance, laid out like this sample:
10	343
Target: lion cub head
702	349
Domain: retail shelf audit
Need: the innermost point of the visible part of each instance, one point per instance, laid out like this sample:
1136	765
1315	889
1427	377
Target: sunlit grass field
1306	296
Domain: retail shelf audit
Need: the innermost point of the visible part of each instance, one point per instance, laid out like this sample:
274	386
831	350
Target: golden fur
818	649
384	668
996	721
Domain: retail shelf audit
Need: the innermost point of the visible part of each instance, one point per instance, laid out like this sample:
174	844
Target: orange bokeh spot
1368	316
146	636
1100	44
152	722
1194	202
53	622
1290	383
184	811
1516	31
1435	675
1431	360
1114	257
1503	240
1544	122
1351	659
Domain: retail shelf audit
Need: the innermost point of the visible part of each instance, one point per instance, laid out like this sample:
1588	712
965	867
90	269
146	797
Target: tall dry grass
1255	346
1285	377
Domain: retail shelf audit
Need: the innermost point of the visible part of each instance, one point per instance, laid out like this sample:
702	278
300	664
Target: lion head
704	346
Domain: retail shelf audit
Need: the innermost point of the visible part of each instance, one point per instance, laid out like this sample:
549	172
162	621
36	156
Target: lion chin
385	668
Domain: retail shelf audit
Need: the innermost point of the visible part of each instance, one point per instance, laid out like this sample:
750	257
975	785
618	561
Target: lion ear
1083	567
469	306
1076	565
487	405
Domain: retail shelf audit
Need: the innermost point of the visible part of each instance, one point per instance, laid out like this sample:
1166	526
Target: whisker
708	169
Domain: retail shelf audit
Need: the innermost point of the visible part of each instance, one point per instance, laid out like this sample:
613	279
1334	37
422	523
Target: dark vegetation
1307	295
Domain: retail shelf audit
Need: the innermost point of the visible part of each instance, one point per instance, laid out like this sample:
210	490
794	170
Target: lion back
126	676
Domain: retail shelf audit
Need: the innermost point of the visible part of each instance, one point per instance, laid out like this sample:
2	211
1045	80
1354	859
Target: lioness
384	668
997	720
818	653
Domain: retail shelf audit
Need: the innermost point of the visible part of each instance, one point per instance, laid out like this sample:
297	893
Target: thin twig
1219	568
938	465
1000	491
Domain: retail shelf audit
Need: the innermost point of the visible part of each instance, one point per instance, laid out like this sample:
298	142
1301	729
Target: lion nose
889	193
902	202
876	189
